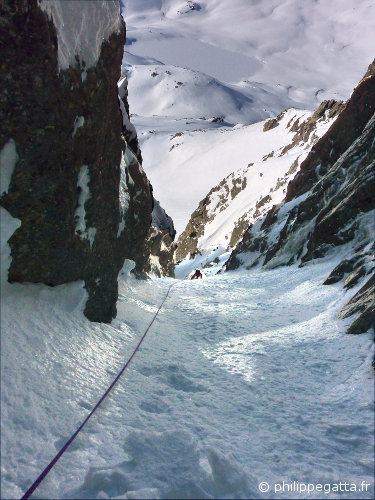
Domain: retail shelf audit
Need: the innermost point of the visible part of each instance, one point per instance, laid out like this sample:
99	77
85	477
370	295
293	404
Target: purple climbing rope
53	462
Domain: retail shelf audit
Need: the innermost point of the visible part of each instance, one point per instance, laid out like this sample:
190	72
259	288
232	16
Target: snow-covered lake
243	378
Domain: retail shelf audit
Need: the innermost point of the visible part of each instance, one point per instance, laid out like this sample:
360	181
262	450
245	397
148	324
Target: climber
197	275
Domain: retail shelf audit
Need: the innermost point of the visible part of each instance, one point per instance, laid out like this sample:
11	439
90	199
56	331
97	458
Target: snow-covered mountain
275	150
309	50
329	209
204	77
198	69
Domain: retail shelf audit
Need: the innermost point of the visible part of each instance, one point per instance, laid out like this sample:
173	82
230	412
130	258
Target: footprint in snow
157	406
85	405
181	382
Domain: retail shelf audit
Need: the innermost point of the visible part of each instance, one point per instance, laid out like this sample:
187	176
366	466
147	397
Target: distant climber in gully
197	275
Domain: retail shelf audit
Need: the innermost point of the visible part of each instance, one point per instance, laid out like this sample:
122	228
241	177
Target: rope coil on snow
53	462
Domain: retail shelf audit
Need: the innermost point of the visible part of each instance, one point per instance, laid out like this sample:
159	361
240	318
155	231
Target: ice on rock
124	196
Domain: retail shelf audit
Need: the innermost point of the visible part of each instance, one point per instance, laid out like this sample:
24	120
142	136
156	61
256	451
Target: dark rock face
363	302
152	248
329	203
344	131
128	128
188	241
161	220
161	249
345	267
161	242
64	126
132	240
156	254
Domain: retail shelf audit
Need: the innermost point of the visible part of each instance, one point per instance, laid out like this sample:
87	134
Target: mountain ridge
328	205
301	130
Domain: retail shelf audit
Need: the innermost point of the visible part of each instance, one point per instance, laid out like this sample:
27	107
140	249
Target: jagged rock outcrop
160	246
128	128
270	124
329	203
162	220
300	131
161	242
188	241
84	201
362	303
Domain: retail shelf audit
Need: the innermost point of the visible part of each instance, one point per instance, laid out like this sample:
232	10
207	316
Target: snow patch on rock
78	123
82	27
122	92
8	160
84	195
9	225
124	196
80	213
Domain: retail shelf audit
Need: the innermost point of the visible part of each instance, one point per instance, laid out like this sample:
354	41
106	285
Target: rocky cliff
160	245
329	208
83	200
246	195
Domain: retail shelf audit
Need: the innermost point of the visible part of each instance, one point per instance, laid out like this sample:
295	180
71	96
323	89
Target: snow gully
57	457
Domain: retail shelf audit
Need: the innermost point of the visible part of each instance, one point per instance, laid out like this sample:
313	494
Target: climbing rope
53	462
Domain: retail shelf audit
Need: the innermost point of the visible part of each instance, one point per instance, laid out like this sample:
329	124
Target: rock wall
329	204
158	252
84	205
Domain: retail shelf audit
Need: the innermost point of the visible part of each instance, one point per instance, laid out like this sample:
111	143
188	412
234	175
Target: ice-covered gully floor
243	379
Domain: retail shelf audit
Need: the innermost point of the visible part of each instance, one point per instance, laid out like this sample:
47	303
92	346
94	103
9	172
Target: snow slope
243	378
276	148
171	92
183	166
315	50
237	62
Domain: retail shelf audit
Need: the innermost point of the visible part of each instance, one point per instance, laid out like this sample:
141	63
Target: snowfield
244	377
206	68
314	50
